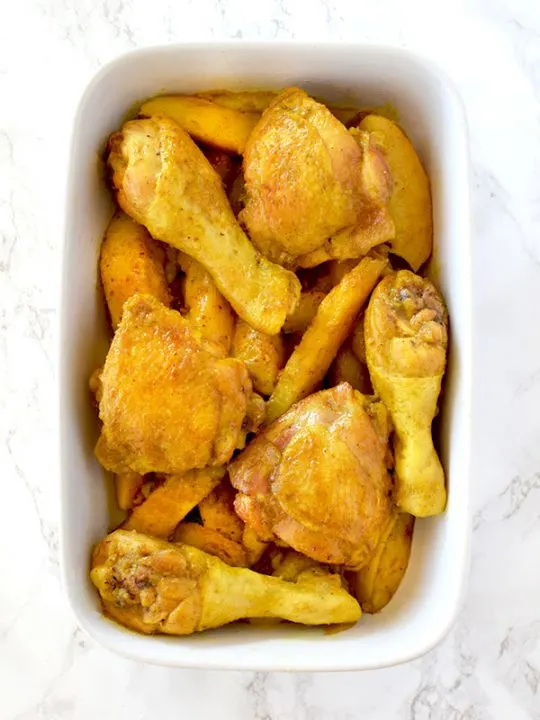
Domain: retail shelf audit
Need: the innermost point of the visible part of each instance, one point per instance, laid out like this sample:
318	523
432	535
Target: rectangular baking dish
431	113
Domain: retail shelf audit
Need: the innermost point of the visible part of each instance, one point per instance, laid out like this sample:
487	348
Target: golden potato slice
130	262
208	309
127	485
334	320
253	545
358	340
247	101
305	311
287	564
347	368
217	512
376	583
204	120
262	354
410	202
211	542
169	503
256	101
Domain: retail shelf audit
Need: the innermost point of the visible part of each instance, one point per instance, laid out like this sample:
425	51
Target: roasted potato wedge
334	320
208	309
376	583
410	202
217	512
204	120
347	368
246	101
305	311
169	503
253	545
212	542
130	262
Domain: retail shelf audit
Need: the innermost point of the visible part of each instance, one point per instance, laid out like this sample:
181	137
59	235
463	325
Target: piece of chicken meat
317	478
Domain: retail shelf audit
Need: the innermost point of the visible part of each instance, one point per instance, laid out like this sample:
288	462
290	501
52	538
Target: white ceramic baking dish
427	602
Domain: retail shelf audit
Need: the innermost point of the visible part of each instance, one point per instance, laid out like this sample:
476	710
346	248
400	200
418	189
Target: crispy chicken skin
164	182
170	400
154	586
317	479
314	192
406	340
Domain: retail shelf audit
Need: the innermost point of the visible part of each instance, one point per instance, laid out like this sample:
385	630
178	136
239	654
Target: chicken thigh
317	479
314	191
170	400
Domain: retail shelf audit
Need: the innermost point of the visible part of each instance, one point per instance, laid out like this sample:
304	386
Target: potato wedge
127	485
169	503
287	564
376	583
305	311
262	354
211	542
253	545
410	202
347	368
206	121
208	309
131	262
256	101
217	512
250	101
334	320
358	340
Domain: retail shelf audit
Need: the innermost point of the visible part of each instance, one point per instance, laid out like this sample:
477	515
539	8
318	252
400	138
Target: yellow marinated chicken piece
317	478
153	586
406	340
130	262
170	401
262	354
313	192
164	182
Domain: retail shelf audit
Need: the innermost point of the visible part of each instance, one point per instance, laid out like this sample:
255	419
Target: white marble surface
489	666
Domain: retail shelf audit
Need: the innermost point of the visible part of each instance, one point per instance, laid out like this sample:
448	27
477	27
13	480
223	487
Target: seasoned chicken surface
406	336
314	192
317	479
170	400
164	182
154	586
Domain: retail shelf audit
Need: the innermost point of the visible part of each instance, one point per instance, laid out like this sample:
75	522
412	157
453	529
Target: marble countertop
489	665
